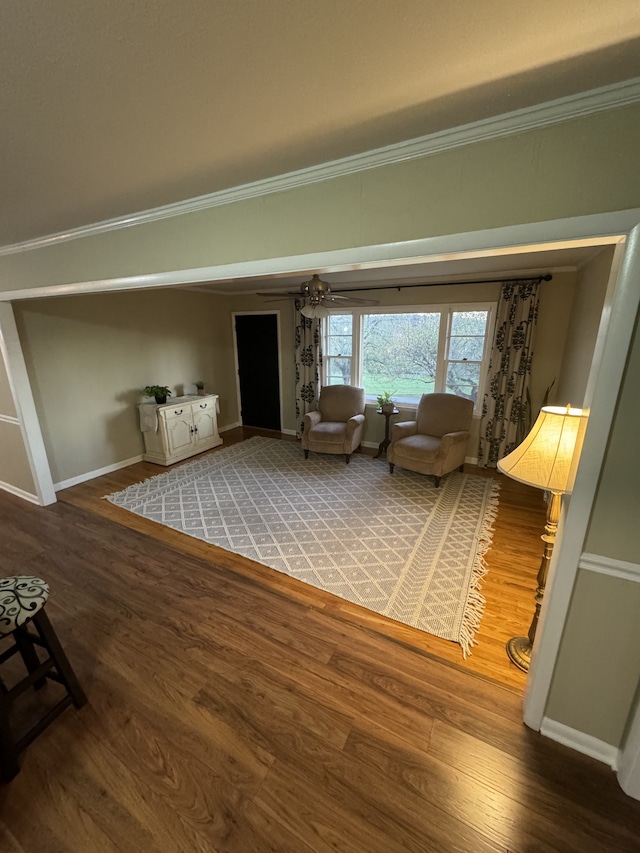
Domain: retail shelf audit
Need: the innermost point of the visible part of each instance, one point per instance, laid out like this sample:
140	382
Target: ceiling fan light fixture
313	312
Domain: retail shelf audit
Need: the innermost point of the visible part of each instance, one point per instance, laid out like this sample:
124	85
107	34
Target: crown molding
581	104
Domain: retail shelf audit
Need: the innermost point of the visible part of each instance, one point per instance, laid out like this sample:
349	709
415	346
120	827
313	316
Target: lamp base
519	651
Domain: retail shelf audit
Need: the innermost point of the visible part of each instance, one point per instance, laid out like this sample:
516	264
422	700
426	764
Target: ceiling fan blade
279	295
349	300
274	296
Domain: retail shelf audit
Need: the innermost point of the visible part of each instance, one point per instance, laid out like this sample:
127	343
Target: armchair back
340	402
439	414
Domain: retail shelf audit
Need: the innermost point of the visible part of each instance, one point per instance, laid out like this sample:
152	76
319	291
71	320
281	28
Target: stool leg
9	766
49	638
28	653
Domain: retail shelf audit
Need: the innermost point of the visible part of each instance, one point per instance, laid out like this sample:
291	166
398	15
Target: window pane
400	354
340	324
339	349
469	322
463	379
338	371
339	345
470	348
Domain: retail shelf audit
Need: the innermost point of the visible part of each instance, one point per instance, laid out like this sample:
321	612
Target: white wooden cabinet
180	428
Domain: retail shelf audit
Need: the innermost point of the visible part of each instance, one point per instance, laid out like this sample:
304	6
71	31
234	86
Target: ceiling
110	108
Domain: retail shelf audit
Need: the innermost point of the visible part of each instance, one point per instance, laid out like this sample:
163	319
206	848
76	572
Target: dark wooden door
258	370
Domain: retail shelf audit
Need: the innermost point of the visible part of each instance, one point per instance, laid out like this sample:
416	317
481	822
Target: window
409	352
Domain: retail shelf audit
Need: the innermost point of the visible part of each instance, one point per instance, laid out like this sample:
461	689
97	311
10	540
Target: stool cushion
20	600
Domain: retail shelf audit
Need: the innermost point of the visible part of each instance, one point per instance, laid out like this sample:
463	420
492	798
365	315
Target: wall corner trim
581	742
578	105
610	566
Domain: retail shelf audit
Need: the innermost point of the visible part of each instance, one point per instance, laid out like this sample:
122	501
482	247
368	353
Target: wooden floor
229	713
513	563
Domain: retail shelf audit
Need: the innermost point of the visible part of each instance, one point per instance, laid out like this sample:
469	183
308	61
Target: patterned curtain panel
506	410
308	363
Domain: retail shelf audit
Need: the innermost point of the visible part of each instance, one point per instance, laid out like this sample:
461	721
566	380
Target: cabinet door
205	422
180	435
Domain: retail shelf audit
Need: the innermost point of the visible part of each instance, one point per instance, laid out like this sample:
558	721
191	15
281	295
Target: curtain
506	409
308	363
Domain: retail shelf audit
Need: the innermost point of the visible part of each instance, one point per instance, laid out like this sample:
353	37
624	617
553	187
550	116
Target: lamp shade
544	458
312	311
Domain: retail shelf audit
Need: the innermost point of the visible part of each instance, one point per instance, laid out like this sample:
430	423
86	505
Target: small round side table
386	441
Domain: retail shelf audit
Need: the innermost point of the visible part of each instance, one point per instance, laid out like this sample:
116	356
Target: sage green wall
614	529
15	470
586	165
88	358
7	404
586	313
598	666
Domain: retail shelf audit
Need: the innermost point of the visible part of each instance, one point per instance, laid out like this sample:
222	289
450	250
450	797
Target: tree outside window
408	353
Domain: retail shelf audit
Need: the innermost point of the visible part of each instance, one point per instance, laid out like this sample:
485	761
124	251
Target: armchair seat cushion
329	431
419	448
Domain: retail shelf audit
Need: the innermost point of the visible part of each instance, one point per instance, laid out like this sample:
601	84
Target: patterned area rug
392	543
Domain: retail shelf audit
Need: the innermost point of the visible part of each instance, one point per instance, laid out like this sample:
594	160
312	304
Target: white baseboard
90	475
288	432
581	742
20	493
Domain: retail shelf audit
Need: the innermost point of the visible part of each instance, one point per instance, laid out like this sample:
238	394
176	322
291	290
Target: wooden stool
22	600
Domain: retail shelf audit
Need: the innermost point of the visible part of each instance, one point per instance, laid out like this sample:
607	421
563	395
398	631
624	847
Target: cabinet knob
203	405
178	411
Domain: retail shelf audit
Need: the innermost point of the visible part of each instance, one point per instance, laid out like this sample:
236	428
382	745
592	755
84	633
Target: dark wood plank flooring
227	714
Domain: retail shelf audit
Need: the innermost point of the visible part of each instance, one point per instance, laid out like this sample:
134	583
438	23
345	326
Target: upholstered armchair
436	442
338	424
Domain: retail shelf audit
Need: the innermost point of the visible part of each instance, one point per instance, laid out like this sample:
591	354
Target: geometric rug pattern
392	543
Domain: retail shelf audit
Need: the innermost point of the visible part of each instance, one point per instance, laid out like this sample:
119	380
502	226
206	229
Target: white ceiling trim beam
541	115
591	230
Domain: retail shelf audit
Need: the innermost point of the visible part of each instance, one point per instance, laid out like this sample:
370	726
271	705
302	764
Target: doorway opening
257	355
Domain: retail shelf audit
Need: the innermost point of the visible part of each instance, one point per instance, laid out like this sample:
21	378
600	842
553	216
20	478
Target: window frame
446	311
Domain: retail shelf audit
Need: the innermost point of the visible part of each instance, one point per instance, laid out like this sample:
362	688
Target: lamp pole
519	648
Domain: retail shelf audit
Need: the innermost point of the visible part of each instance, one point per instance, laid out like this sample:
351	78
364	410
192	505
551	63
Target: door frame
620	227
235	314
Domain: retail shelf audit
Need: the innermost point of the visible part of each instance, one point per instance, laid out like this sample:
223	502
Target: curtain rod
538	278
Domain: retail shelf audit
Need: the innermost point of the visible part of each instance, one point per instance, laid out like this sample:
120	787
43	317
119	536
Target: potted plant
200	388
160	392
385	402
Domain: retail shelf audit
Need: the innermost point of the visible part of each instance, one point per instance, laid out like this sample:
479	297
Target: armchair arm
354	422
449	440
403	429
311	419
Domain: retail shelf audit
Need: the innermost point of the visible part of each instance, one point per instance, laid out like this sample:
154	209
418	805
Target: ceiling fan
318	297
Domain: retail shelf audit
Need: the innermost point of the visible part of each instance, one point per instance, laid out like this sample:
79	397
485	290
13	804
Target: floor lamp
544	460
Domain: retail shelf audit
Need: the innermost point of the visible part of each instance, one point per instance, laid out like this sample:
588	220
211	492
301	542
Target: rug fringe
474	610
